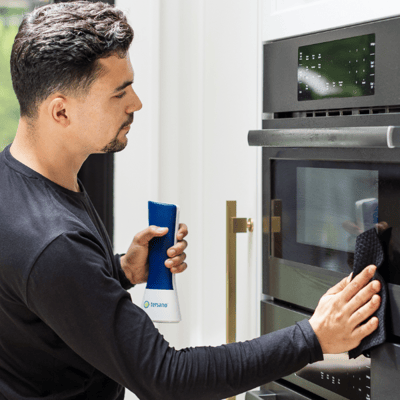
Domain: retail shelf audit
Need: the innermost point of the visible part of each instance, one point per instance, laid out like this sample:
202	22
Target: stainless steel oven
331	170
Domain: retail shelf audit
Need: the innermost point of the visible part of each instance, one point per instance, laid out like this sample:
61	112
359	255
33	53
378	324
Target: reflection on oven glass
335	205
337	373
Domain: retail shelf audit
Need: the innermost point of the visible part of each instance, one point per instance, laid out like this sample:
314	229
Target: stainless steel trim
390	137
259	395
267	115
282	392
347	137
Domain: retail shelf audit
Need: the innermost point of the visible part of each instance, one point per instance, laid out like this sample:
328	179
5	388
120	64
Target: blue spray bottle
160	299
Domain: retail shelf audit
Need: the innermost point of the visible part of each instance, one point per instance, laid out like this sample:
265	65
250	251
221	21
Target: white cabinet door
209	88
200	86
285	18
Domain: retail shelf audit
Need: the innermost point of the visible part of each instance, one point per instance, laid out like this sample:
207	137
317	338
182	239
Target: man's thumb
159	231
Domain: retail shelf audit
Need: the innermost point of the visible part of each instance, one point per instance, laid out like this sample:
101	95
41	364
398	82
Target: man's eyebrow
123	86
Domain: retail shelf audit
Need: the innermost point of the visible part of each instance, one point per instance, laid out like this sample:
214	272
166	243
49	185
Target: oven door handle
346	137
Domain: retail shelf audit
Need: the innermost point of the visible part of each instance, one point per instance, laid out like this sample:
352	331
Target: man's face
103	118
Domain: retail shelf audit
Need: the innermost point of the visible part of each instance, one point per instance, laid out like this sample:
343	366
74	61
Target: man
68	327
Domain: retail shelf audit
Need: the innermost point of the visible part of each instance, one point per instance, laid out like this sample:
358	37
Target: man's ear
57	110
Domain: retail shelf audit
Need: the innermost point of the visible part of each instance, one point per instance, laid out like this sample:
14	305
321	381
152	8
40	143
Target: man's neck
47	157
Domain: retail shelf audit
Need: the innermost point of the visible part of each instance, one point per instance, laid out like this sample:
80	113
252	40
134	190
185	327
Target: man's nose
135	103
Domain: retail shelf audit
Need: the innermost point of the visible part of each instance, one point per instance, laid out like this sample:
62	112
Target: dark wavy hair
57	49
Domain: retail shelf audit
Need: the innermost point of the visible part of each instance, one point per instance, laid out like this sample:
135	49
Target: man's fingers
382	226
363	296
365	329
364	312
179	248
339	286
180	268
143	238
358	283
175	261
182	231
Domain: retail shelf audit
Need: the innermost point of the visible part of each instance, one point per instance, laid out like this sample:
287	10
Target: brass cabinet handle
233	226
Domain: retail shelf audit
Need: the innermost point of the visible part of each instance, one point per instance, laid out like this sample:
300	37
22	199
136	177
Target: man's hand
135	263
341	311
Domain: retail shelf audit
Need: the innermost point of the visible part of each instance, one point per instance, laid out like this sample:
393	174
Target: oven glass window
330	202
318	208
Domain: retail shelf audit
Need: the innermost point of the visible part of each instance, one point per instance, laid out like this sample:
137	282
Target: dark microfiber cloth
369	250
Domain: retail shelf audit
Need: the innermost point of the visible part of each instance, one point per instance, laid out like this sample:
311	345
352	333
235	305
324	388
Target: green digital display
340	68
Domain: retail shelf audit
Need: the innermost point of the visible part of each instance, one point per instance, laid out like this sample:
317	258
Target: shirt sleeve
125	282
71	288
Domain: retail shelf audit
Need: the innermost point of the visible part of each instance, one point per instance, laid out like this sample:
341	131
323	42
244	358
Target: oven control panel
340	68
337	373
348	69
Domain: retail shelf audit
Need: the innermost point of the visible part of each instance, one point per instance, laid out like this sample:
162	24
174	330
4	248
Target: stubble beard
116	145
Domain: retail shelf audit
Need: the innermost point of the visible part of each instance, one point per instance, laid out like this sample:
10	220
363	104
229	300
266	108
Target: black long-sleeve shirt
69	328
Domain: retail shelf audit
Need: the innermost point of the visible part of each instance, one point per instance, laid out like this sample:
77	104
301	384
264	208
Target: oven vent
333	113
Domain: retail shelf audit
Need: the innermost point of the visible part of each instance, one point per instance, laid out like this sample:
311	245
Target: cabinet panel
285	18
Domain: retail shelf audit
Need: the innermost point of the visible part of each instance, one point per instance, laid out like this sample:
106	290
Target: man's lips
128	123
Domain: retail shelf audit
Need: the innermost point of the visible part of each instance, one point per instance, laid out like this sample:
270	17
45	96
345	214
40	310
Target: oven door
321	191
